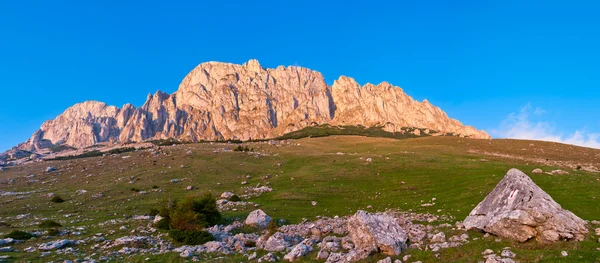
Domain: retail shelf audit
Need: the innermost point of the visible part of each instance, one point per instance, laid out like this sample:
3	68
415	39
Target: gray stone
57	244
439	238
322	255
520	210
299	250
277	242
377	233
258	218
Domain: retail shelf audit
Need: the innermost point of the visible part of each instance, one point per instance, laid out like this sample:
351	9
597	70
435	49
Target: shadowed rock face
229	101
520	210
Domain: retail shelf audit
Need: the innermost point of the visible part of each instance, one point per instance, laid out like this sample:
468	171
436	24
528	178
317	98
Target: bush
155	187
194	237
164	224
49	224
187	218
53	232
134	189
19	235
153	212
272	228
578	167
235	198
57	199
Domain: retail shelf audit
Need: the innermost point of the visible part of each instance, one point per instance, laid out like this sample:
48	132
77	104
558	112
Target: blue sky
514	69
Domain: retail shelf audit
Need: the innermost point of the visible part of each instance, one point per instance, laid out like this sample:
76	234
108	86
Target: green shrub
49	224
191	214
153	212
53	232
57	199
164	224
207	206
272	227
155	187
235	198
194	237
134	189
19	235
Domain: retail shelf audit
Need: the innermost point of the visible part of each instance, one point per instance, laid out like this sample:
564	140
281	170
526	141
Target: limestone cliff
229	101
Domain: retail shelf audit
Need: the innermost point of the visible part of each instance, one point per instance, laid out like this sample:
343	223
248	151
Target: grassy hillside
327	130
333	171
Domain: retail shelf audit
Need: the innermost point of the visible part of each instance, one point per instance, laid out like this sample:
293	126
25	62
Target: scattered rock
377	233
258	218
57	244
518	209
277	242
385	260
439	238
299	250
564	253
508	254
189	188
50	169
537	171
559	172
227	195
322	255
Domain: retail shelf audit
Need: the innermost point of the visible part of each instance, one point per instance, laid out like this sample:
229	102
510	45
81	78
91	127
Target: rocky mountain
229	101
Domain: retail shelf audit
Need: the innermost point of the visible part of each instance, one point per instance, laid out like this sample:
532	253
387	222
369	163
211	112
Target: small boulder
50	169
277	242
377	233
299	250
227	195
520	210
537	171
559	172
258	218
57	244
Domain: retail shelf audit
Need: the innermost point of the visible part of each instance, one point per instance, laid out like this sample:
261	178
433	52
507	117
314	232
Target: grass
402	175
327	130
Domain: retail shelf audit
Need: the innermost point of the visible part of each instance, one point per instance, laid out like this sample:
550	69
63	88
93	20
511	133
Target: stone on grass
518	209
226	195
377	233
439	238
50	169
57	244
537	171
559	172
277	242
299	250
258	218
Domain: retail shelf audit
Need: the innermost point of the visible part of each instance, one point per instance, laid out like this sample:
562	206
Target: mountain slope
229	101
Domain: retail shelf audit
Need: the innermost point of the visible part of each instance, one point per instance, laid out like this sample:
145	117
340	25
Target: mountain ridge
220	101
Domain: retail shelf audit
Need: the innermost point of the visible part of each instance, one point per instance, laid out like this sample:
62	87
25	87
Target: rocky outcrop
229	101
258	218
373	233
520	210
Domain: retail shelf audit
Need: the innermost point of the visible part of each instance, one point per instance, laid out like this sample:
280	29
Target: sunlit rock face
229	101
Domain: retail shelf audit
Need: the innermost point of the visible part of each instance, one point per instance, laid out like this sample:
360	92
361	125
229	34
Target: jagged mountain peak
218	100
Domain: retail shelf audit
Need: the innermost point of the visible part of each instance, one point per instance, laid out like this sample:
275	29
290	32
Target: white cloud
521	125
